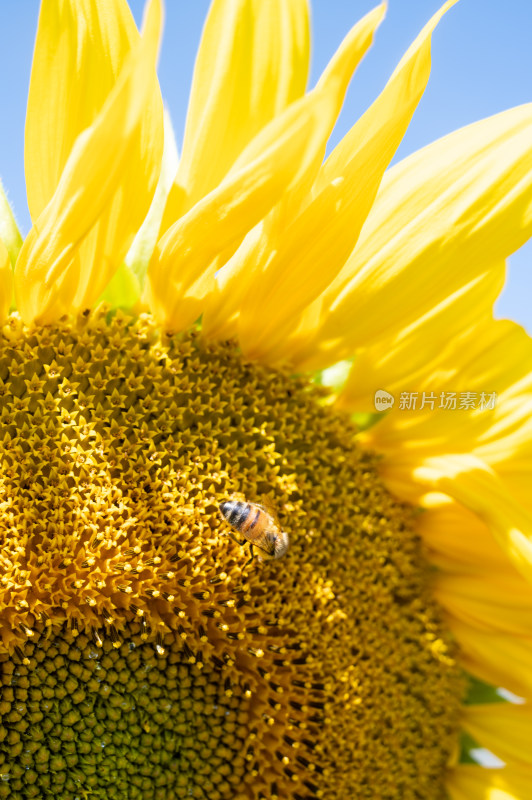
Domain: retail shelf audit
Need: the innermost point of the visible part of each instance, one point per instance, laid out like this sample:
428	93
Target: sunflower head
124	591
163	418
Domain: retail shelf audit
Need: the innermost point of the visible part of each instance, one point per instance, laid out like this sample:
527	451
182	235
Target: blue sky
482	64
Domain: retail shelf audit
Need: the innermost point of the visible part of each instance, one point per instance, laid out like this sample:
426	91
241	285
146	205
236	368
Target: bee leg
235	540
252	554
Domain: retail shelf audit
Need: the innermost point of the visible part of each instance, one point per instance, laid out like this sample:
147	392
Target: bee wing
269	542
269	508
275	540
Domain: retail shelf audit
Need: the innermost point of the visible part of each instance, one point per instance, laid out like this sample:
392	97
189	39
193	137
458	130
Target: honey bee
258	527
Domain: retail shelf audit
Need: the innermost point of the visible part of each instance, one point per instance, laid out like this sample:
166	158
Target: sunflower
177	337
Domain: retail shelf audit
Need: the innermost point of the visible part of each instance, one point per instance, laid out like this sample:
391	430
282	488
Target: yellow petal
473	484
141	251
492	357
313	249
181	273
334	82
234	277
252	63
440	216
504	728
9	232
231	282
468	782
104	193
405	360
79	52
6	282
495	658
383	125
457	540
490	601
480	457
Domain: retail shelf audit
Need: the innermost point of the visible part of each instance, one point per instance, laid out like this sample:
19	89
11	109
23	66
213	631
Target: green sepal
335	376
467	745
123	290
140	252
480	692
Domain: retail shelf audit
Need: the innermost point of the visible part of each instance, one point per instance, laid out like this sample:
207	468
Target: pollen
141	656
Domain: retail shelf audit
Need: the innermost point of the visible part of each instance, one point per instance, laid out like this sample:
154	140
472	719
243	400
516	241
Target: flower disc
141	658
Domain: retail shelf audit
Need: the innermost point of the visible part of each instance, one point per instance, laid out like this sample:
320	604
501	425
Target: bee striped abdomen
252	519
258	527
238	514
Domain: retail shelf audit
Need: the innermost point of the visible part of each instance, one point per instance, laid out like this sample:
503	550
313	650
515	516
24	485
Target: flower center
141	656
